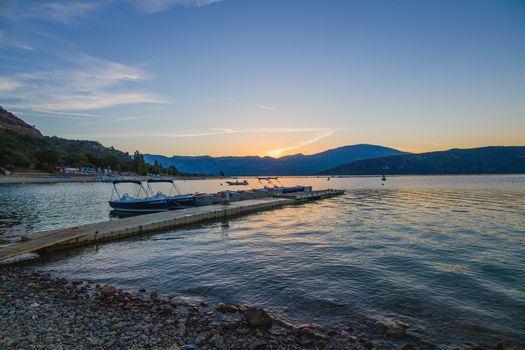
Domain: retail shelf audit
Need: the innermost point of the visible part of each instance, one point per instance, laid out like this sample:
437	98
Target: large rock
391	328
258	318
108	291
508	345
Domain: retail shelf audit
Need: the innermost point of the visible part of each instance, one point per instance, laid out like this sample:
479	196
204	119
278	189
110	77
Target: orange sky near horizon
282	144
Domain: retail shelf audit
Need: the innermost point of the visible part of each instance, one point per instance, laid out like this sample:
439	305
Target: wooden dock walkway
114	229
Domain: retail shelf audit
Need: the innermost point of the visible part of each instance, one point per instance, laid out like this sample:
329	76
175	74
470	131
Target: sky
267	77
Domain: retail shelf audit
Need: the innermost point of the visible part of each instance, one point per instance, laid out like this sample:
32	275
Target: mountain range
298	164
483	160
22	145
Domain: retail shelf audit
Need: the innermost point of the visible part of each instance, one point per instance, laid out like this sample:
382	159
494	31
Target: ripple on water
443	254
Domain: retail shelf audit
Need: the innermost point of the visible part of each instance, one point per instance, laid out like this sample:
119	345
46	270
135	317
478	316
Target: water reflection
443	254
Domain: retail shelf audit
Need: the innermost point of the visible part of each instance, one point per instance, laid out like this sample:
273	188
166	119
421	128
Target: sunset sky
267	77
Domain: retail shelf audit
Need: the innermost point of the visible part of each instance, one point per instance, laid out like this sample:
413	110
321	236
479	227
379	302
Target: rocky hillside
22	145
9	121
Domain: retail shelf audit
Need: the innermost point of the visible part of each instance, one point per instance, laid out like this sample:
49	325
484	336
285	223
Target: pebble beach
40	311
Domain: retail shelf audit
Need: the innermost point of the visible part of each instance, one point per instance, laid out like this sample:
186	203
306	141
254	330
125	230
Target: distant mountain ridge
483	160
298	164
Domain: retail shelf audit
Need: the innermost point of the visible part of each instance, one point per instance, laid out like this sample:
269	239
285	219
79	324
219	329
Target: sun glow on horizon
276	153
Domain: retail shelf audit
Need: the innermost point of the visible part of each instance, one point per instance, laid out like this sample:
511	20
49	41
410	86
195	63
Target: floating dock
115	229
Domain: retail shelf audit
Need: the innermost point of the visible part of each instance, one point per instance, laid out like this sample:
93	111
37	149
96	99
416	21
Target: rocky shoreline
40	311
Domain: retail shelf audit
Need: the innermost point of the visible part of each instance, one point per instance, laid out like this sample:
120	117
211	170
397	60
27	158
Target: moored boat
202	199
245	195
261	193
174	198
225	196
237	183
139	203
274	184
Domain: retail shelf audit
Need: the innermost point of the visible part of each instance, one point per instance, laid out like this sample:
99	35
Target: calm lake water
444	254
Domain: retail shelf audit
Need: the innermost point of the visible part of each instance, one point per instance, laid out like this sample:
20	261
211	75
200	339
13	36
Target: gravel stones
39	311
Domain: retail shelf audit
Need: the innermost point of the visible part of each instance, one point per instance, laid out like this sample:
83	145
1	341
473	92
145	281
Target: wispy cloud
71	12
68	12
58	11
212	132
6	40
90	84
278	152
154	6
220	131
112	120
47	115
22	46
224	131
8	84
268	108
97	101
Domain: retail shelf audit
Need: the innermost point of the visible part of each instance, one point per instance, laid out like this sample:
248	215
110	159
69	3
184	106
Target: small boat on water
237	183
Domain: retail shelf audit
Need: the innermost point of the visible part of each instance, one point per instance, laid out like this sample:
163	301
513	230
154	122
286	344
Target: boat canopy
160	180
136	182
269	180
173	190
127	181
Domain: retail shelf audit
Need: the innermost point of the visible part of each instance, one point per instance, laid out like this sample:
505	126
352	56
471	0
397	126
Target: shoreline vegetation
43	311
24	146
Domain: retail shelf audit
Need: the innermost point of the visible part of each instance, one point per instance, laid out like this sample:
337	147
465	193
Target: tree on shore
173	171
47	159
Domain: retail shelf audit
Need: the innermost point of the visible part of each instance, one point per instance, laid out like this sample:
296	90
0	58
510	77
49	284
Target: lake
443	254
